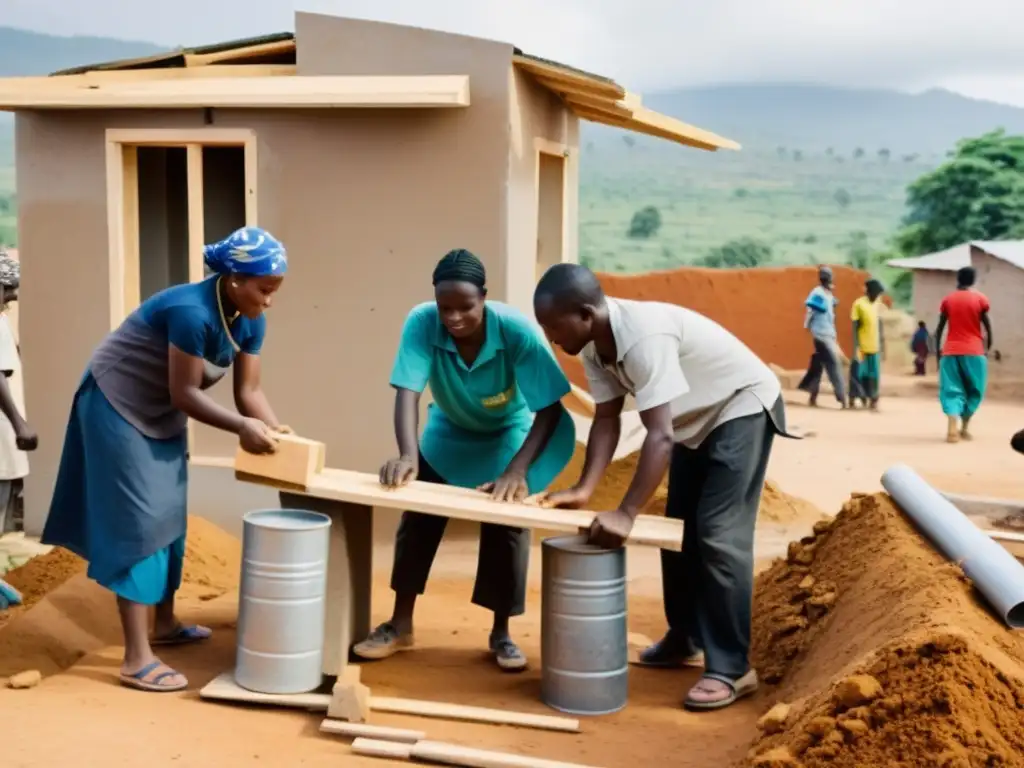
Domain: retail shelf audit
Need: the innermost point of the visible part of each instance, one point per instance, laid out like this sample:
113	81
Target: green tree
781	151
744	252
645	223
842	198
977	194
884	155
740	192
858	153
798	155
858	251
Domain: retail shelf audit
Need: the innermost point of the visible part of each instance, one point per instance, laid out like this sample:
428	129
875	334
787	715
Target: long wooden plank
985	506
224	688
364	488
445	711
443	753
458	503
367	731
297	91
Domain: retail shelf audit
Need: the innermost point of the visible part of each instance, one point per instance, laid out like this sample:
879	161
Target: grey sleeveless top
131	369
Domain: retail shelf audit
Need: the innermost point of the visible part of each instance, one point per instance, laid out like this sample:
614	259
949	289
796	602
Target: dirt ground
82	717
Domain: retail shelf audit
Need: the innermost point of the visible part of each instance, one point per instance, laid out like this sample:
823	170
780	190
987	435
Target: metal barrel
281	601
584	652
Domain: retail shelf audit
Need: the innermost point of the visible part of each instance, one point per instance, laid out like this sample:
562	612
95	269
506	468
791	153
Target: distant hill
24	53
813	117
823	171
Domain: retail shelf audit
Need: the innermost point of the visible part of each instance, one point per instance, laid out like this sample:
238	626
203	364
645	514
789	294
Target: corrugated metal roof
952	259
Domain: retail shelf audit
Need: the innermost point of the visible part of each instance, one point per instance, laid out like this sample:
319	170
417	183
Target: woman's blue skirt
120	501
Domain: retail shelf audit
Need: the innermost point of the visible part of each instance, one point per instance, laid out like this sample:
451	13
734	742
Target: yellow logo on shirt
500	399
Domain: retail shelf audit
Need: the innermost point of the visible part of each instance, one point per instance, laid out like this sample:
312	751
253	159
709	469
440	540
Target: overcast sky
973	47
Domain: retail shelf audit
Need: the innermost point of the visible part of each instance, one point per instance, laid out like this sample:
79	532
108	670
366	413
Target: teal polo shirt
482	412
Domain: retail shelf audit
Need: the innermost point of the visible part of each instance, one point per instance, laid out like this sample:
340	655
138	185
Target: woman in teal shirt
496	424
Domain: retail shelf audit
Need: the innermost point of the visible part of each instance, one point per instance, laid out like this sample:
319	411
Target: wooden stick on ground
377	732
472	714
224	688
453	754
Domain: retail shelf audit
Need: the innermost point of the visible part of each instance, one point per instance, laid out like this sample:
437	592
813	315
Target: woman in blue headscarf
120	497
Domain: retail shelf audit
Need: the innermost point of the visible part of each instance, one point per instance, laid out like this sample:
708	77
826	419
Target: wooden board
367	731
465	504
224	688
296	461
445	711
442	753
985	506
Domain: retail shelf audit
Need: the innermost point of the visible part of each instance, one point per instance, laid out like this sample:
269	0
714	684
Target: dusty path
82	717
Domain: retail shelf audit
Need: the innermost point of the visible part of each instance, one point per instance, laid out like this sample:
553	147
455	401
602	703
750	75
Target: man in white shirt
711	408
16	436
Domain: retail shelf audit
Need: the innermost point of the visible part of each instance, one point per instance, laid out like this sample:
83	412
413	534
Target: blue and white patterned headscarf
248	251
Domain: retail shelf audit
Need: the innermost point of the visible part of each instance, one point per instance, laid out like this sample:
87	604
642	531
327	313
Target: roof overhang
248	92
600	100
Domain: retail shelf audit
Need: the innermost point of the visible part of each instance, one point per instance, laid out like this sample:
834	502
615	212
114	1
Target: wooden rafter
260	50
569	78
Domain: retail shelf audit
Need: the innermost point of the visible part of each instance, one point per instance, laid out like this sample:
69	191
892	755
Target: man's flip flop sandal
738	689
184	635
139	683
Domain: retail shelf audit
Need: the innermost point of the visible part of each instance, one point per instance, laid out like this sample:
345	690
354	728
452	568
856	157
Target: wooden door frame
123	204
561	151
123	200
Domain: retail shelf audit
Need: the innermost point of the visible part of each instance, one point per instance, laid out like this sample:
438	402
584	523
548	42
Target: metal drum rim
313	521
576	544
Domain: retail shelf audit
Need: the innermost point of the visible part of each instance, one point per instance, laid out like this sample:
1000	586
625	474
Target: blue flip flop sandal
184	635
139	683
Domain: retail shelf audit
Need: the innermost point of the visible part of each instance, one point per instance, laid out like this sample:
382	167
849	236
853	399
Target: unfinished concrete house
369	149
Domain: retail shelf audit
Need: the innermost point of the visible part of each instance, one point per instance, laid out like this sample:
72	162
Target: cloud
649	44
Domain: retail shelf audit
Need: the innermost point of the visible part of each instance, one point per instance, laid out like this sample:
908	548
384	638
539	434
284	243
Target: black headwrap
460	266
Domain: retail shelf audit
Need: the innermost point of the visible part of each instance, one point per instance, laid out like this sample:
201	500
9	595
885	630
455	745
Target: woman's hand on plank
398	472
511	486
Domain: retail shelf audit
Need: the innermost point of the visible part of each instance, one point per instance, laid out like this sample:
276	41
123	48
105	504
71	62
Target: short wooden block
350	699
296	461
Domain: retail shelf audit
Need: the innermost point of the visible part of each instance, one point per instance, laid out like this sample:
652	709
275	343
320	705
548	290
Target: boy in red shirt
963	366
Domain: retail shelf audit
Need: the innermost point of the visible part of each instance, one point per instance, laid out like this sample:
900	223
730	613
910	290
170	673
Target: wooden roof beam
567	78
276	48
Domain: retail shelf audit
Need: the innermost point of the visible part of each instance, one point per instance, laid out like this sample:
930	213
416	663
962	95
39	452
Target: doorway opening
164	215
550	210
169	192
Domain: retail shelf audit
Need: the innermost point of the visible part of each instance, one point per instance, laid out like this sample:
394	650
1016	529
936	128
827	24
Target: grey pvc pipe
996	574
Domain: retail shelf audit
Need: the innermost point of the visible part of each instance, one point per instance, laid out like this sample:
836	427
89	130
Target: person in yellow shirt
868	345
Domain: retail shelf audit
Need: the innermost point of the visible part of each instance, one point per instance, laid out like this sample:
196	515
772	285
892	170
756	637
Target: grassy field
807	211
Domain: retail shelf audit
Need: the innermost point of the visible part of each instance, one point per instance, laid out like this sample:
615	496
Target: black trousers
715	490
501	567
824	360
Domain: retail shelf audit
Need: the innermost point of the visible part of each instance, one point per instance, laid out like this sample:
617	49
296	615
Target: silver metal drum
584	653
281	601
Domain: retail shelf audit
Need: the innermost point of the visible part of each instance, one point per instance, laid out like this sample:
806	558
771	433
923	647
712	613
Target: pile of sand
65	615
777	506
881	654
